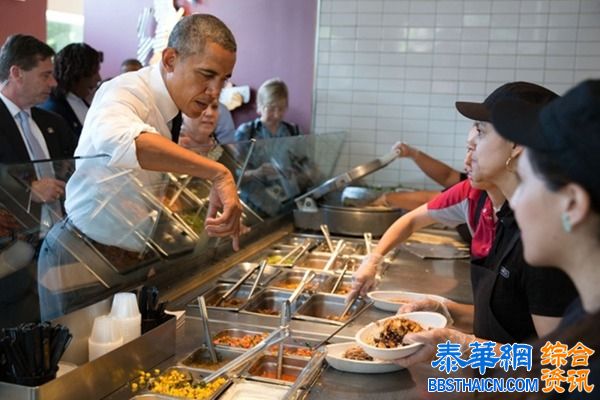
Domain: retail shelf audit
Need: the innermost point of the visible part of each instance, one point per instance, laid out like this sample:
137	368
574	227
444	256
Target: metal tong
325	230
209	344
261	270
284	324
335	332
237	285
277	336
298	250
349	305
308	276
338	249
349	263
368	242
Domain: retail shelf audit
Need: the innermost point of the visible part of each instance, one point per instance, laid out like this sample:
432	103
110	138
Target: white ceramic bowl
391	300
335	358
425	318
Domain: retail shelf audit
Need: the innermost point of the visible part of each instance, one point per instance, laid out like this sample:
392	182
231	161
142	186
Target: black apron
483	280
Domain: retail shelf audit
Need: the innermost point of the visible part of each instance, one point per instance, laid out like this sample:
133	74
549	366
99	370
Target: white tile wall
390	70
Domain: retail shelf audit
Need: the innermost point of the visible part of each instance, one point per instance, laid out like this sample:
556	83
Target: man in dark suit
29	133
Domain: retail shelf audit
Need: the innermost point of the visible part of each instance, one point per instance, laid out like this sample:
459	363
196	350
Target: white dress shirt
13	109
80	108
103	197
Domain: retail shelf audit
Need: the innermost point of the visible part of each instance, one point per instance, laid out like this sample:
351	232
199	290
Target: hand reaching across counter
365	276
224	197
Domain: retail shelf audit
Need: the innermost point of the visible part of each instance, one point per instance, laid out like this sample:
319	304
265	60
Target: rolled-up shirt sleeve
118	121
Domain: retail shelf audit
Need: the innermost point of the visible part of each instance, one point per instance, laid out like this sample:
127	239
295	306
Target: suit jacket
57	102
59	138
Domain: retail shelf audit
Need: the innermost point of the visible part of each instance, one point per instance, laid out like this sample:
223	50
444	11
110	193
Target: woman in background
77	73
271	105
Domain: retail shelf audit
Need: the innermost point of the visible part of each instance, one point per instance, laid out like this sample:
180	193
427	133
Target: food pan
250	390
238	339
273	257
265	369
344	287
268	303
289	280
237	271
318	262
234	302
199	359
193	377
325	307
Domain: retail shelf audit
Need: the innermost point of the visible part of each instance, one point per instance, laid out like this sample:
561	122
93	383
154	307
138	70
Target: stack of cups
126	313
105	337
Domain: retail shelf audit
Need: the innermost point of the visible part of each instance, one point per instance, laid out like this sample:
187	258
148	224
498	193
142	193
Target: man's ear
15	73
169	58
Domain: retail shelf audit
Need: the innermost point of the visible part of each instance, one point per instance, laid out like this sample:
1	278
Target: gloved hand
427	305
365	276
430	339
405	150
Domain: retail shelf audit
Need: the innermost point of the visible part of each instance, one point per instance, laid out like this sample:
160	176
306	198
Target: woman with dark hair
513	301
557	206
77	72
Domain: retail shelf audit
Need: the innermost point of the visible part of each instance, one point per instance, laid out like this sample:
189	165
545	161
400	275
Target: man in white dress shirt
130	122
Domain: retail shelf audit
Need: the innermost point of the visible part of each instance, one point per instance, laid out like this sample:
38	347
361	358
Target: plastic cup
105	337
126	315
124	305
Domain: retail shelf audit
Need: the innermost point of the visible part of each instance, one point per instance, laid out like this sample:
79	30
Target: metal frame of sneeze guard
98	378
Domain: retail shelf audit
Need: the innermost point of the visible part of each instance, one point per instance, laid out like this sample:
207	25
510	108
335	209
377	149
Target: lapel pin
50	129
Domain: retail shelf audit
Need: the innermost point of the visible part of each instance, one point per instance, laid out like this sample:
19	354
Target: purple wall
275	38
110	27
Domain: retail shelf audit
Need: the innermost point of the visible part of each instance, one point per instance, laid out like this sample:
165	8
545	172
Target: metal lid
348	177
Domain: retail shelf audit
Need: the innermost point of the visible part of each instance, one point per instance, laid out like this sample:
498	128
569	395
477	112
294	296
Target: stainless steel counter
449	278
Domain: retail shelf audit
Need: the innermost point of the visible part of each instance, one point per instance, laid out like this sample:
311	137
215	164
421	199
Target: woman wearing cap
557	203
509	302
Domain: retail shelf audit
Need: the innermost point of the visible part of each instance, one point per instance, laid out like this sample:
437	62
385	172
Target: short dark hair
132	61
192	33
24	51
74	62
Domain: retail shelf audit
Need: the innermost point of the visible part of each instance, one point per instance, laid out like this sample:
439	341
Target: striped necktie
52	211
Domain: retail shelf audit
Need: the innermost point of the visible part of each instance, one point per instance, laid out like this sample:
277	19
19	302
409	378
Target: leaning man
133	124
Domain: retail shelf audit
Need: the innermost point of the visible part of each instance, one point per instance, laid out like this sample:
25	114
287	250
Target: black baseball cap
567	129
568	123
524	91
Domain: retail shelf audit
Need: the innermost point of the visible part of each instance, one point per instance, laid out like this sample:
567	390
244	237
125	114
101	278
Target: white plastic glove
430	339
365	276
427	304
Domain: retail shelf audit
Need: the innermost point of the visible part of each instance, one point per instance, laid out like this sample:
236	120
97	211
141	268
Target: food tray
289	280
265	370
199	359
320	306
238	334
272	300
214	294
237	271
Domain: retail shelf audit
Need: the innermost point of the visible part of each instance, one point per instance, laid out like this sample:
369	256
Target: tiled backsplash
390	70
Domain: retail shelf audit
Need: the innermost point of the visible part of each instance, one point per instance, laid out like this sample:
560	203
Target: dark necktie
176	127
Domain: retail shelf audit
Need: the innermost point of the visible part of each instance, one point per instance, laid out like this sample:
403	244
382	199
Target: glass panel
272	172
126	225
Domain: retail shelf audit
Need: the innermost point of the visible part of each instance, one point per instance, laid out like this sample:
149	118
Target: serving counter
161	217
407	272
